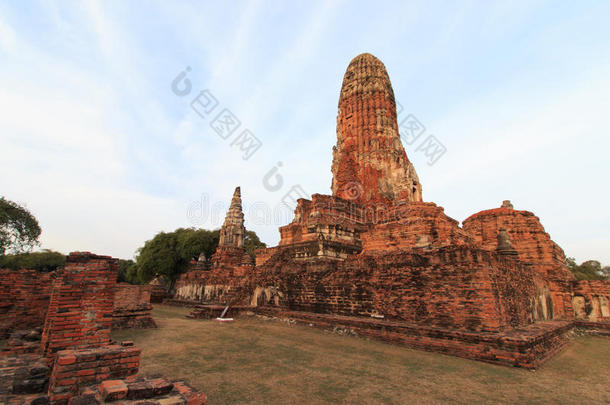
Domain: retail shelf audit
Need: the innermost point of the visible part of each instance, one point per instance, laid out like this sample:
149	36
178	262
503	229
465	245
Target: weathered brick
113	390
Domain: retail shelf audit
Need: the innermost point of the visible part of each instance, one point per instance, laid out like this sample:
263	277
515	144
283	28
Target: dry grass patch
256	361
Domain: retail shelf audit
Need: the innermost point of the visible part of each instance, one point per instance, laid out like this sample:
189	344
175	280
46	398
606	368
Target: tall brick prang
370	164
233	232
221	281
231	256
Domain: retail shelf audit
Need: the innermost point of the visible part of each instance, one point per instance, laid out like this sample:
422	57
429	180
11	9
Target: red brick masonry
82	301
24	299
132	307
75	368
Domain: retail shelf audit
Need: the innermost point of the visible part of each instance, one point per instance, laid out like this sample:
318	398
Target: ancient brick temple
374	258
227	266
231	255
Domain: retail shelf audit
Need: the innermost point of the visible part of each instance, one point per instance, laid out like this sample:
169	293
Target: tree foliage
252	242
44	261
128	272
19	229
588	270
168	254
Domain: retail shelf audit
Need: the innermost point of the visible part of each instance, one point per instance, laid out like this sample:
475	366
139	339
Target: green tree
252	242
127	272
588	270
44	261
19	229
168	254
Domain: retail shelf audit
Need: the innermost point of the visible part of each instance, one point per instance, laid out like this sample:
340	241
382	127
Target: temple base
528	347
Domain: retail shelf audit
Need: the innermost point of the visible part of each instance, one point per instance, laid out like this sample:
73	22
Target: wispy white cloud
110	156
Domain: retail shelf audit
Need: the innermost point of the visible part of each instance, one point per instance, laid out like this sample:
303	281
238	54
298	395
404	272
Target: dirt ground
255	361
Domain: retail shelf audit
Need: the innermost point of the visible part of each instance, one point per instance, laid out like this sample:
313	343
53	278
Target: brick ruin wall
230	267
453	287
81	305
207	286
24	299
76	362
77	368
414	225
132	307
591	300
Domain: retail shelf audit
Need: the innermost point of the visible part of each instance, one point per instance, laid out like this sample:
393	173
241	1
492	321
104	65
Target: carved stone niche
603	305
579	305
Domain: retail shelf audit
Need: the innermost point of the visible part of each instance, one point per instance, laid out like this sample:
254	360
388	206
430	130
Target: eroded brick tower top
233	231
369	162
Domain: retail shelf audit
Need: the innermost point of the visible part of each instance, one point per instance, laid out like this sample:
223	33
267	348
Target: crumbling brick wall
452	287
24	299
405	226
81	305
77	368
211	286
132	307
591	300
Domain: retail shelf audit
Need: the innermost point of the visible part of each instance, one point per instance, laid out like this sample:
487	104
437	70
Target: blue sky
101	150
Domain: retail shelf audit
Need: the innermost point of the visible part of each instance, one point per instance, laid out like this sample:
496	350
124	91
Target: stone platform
214	311
594	328
526	347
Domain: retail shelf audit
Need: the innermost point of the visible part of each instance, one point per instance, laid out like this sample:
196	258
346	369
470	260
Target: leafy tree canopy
128	272
588	270
168	254
45	261
252	242
19	229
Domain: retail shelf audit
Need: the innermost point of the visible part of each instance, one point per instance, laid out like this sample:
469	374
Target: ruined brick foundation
132	307
76	362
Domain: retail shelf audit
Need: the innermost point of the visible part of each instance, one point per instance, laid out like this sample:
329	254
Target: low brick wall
24	299
77	368
594	328
132	307
527	347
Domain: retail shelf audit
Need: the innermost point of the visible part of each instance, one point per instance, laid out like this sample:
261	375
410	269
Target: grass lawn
270	362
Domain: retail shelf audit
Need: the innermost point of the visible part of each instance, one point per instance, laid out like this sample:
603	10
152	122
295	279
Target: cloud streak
106	156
